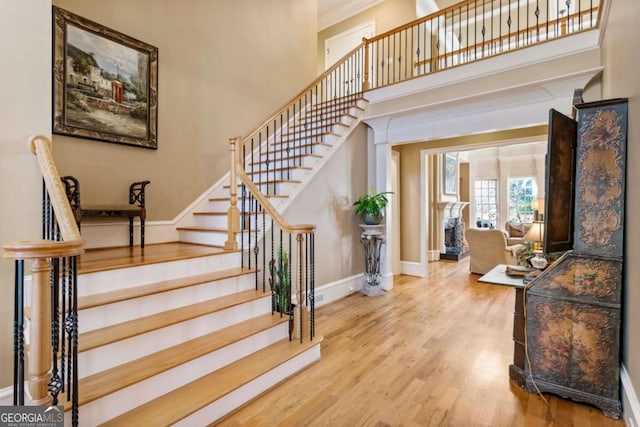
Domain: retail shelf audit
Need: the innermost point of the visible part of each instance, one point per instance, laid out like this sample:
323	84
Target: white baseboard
433	255
412	268
6	396
334	291
630	403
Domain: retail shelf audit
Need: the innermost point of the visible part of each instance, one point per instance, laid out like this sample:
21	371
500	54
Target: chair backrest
487	248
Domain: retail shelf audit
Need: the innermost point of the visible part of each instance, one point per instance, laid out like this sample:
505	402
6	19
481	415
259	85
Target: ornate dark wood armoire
567	328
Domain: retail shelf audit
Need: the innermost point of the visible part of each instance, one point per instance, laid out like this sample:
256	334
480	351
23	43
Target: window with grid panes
486	202
521	192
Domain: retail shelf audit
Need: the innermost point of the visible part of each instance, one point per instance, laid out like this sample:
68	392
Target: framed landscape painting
450	174
105	83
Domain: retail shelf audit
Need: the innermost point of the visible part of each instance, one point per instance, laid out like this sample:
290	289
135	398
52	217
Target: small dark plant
280	283
372	204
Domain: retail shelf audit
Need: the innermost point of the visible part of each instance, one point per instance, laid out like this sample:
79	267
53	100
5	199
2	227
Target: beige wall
25	110
621	59
387	15
327	202
224	67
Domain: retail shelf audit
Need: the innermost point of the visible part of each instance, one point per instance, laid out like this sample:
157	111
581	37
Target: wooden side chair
135	208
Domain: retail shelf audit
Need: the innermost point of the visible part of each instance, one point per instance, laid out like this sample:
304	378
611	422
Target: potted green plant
371	206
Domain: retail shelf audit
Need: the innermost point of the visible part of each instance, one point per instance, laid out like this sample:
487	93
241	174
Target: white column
379	176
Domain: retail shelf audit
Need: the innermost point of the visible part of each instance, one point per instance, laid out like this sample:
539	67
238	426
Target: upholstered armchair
488	248
515	231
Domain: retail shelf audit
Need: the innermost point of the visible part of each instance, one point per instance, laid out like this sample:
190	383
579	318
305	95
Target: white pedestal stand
372	239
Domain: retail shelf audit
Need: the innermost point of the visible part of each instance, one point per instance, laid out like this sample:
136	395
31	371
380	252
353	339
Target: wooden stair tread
156	288
105	259
211	213
196	228
220	199
111	380
184	401
109	334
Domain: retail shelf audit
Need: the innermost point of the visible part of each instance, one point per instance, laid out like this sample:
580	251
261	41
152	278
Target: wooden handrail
38	249
41	147
561	21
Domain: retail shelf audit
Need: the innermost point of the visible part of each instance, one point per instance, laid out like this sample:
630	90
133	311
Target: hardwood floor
431	352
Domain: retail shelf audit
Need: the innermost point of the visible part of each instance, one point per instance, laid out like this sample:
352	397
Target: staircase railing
52	312
470	31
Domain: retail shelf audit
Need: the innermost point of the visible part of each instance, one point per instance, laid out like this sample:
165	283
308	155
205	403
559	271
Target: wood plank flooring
431	352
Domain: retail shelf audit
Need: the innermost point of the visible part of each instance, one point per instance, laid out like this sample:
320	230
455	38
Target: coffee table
498	276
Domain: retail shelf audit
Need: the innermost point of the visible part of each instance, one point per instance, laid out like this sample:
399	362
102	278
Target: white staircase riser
218	205
111	314
204	237
251	390
137	394
117	353
211	221
104	281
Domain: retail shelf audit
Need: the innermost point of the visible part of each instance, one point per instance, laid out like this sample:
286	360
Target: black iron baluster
55	384
18	334
537	14
243	201
312	290
74	348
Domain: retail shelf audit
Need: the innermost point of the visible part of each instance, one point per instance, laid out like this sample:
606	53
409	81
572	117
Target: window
486	202
521	192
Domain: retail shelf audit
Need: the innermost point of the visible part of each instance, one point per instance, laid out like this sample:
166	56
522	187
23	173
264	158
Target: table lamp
536	235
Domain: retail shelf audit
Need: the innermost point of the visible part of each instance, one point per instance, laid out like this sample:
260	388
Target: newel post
233	214
301	325
40	333
365	82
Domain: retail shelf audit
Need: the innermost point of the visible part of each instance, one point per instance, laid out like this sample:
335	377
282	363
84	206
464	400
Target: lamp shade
535	233
537	205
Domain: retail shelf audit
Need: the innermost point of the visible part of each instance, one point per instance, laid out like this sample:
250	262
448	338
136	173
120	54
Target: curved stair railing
52	311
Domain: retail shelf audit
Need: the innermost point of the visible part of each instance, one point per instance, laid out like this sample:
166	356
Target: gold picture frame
105	83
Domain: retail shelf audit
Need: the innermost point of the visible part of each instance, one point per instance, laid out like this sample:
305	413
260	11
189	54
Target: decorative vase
371	219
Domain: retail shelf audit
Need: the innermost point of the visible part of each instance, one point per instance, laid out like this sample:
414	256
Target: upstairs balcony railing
470	31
